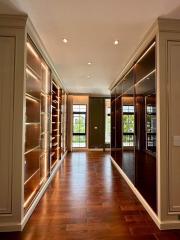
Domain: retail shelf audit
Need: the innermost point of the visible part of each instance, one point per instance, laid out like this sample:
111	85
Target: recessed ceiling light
65	40
89	63
116	42
89	76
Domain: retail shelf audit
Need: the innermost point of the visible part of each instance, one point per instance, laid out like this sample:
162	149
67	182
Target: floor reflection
89	200
140	168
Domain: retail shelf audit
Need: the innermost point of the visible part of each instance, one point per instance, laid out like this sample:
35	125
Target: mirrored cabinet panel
133	127
113	124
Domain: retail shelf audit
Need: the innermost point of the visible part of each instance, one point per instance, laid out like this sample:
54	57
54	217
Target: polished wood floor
89	200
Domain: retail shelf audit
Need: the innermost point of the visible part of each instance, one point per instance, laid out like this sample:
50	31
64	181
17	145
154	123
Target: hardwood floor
88	199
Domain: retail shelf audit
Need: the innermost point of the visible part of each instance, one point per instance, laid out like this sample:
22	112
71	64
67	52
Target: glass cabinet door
128	127
145	101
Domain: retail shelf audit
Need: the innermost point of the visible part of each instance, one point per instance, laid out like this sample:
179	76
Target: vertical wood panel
7	50
174	125
96	122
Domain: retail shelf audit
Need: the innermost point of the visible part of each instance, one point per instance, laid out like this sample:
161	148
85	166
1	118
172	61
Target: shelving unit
25	161
150	78
55	124
32	125
62	121
151	124
37	129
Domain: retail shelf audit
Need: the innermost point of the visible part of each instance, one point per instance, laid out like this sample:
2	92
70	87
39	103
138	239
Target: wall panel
7	50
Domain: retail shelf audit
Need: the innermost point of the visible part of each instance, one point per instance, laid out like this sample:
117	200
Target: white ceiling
91	26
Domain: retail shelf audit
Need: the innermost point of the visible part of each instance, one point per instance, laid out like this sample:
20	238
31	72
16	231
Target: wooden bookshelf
36	156
55	127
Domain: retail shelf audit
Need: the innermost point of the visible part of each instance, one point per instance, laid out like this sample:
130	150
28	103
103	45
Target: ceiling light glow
89	63
116	42
65	40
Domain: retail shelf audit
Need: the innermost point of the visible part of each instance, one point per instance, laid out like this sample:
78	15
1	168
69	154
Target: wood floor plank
89	200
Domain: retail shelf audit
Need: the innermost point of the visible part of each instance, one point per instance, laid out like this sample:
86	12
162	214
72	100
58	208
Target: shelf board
55	85
33	71
145	77
52	154
57	148
54	163
54	144
32	98
32	149
44	133
32	176
44	93
32	123
44	113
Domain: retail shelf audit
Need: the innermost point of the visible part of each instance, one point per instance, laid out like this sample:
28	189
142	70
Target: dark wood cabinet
133	124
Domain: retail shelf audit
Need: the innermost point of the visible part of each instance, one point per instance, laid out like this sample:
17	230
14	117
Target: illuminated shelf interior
37	132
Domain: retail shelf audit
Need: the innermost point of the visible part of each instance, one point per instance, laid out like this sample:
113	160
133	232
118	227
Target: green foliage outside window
79	123
128	123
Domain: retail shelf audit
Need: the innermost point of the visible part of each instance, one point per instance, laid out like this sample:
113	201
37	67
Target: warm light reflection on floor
89	200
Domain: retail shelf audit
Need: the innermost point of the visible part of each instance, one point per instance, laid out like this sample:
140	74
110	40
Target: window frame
79	134
107	115
128	133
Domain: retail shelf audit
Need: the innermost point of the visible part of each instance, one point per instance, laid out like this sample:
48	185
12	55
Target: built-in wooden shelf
32	98
31	149
32	123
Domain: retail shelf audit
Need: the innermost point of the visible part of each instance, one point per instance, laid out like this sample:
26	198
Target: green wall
96	122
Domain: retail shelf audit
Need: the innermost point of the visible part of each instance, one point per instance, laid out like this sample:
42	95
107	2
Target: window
79	126
128	126
107	121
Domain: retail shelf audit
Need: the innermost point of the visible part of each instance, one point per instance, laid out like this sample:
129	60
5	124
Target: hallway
88	199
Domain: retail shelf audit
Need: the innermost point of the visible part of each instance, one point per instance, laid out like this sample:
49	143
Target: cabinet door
7	54
174	125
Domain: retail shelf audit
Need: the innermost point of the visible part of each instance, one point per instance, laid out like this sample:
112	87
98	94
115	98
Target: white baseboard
162	225
40	194
95	149
107	149
79	150
138	195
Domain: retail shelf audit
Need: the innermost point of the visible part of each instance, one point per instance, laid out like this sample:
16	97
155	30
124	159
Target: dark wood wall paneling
96	122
